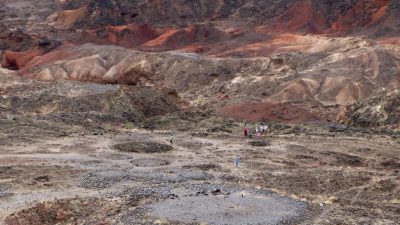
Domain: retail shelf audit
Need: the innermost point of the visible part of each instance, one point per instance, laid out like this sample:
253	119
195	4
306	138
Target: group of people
261	130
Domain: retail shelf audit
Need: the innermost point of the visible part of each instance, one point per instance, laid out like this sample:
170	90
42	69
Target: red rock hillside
214	53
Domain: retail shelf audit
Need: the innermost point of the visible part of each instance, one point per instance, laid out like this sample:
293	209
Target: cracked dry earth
136	177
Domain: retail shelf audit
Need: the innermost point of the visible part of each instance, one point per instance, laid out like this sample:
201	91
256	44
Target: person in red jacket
246	131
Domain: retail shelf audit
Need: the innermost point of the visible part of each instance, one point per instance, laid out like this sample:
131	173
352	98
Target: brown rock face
382	110
17	60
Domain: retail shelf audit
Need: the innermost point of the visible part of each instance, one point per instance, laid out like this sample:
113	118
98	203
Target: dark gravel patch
171	176
260	143
101	179
149	162
143	147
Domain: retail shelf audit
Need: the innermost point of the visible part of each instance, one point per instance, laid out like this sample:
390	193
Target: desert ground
114	174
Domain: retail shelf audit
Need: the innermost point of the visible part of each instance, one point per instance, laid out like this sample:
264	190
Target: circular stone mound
149	162
229	207
143	147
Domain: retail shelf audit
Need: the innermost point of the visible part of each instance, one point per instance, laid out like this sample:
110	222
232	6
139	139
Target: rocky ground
177	167
66	160
309	174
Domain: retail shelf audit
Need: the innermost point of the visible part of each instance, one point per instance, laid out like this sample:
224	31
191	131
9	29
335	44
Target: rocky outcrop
18	48
287	15
209	27
15	41
75	102
18	60
383	110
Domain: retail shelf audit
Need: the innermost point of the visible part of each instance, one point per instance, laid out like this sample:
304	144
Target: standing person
246	131
264	130
237	162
